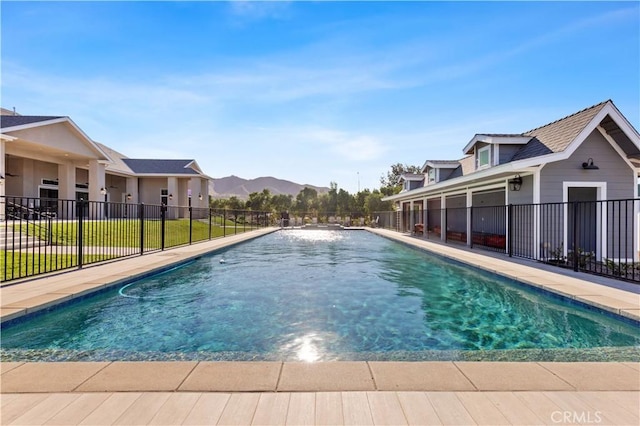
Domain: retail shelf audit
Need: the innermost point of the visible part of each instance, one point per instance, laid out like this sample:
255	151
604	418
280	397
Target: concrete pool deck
315	393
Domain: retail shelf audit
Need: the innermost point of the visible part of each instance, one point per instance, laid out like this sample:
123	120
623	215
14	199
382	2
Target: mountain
229	186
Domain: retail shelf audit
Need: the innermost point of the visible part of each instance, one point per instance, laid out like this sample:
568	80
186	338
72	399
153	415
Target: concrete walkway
315	393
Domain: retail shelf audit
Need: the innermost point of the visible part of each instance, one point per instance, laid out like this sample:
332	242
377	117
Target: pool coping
224	376
343	376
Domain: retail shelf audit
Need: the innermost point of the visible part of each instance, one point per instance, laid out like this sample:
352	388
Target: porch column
469	215
536	215
29	184
66	190
411	218
97	182
443	217
424	216
66	181
172	189
204	190
132	188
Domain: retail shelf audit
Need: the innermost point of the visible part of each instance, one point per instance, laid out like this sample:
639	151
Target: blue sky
315	92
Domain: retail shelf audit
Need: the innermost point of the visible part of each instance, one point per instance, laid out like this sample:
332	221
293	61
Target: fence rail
40	235
598	237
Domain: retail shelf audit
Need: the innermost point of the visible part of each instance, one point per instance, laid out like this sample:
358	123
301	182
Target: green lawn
108	234
18	265
126	233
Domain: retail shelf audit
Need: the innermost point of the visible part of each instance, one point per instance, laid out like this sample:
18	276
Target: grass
126	233
102	234
18	265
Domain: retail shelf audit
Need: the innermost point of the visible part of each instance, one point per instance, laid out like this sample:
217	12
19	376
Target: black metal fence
45	235
599	237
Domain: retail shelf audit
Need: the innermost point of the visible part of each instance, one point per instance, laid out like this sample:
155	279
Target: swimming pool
316	295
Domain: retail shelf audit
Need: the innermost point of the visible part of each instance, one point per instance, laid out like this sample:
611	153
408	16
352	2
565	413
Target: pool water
315	295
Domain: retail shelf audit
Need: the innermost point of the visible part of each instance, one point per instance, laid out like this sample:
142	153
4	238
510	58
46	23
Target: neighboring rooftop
7	121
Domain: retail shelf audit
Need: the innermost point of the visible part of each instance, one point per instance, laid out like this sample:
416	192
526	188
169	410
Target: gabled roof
552	142
445	164
164	167
411	176
496	138
7	121
556	136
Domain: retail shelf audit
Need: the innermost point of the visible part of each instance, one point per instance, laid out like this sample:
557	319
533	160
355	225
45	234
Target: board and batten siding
620	182
620	178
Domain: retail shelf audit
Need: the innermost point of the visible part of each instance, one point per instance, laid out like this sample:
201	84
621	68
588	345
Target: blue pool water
321	295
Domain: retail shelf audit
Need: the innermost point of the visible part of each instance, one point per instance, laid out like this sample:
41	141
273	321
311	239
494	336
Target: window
432	175
164	196
483	157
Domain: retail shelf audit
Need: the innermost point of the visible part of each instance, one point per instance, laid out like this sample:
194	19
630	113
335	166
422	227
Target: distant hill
229	186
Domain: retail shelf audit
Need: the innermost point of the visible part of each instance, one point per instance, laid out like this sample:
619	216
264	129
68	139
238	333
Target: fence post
163	221
141	216
209	210
190	222
80	239
575	236
510	228
224	222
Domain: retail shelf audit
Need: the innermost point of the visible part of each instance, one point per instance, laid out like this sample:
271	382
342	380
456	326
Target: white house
50	157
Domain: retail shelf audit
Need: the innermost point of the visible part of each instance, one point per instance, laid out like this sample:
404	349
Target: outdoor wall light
588	165
103	191
171	196
516	183
128	196
200	197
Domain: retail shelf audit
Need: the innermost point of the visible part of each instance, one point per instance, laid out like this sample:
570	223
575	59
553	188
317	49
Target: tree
306	200
391	182
259	201
374	203
282	202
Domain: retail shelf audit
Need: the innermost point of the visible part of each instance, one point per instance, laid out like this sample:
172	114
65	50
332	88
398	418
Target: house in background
50	157
591	156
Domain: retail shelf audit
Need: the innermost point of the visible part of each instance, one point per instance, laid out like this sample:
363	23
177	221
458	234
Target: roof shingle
148	166
556	136
7	121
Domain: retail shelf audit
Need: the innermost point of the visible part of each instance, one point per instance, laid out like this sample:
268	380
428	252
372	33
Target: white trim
536	212
496	156
478	153
489	188
496	140
615	146
601	219
469	224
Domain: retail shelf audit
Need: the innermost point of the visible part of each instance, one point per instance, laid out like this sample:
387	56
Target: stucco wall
57	136
150	190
